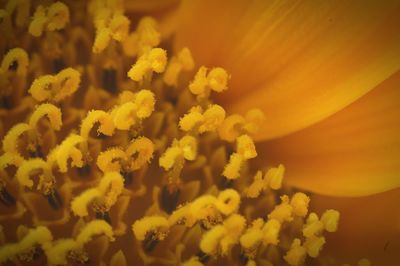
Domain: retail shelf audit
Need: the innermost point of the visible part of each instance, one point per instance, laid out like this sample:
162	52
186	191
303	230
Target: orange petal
148	5
369	228
299	61
355	152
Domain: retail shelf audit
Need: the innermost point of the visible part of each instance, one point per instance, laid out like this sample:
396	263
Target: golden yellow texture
115	153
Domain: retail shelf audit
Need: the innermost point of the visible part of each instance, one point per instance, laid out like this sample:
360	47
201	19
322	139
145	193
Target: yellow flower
224	132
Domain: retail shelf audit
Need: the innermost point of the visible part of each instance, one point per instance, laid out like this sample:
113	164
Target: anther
150	242
6	197
109	80
104	216
203	257
169	198
54	199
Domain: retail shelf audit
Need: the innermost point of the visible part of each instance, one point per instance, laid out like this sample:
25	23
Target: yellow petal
299	61
369	227
355	152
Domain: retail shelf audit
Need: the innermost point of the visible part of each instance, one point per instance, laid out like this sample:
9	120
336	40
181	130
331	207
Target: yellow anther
185	148
157	225
231	127
58	16
7	159
274	177
148	32
107	161
184	61
209	243
140	151
124	116
37	236
232	169
188	144
169	157
228	201
245	147
296	254
145	101
38	22
10	141
218	79
67	150
102	39
313	226
234	226
16	56
213	118
56	88
158	59
314	245
203	83
111	186
253	236
270	232
96	227
126	96
330	219
221	238
49	110
43	88
200	82
154	60
254	119
300	202
106	123
57	251
144	38
119	27
68	81
257	186
282	212
28	167
181	215
55	17
192	119
202	207
79	204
